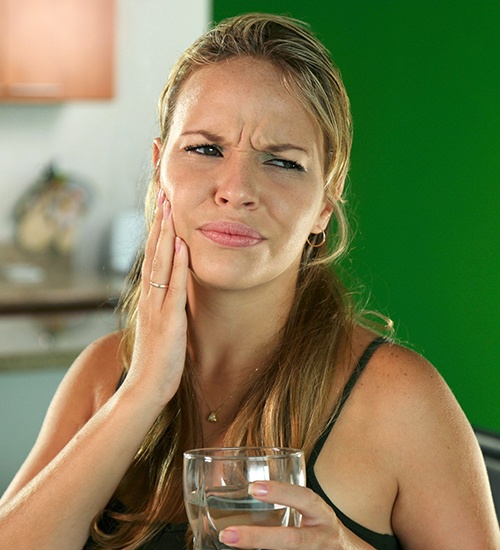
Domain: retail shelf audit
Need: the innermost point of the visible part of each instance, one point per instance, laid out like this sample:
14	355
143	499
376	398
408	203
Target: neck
232	332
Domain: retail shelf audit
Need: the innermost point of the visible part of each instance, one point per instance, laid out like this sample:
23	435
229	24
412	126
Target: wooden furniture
56	50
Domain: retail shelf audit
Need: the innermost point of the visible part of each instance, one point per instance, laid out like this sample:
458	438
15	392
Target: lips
231	234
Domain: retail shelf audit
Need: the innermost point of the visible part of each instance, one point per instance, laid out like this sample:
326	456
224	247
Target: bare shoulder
99	368
435	458
410	405
89	382
399	384
87	385
412	401
407	380
398	391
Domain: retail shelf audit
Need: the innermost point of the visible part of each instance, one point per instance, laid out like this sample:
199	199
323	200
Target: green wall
424	83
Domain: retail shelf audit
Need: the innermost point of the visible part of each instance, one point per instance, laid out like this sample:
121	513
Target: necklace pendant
212	417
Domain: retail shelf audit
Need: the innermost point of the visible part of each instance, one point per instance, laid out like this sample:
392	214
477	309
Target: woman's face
242	167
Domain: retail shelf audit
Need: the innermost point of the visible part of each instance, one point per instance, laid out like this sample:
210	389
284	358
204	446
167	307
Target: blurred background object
127	234
48	214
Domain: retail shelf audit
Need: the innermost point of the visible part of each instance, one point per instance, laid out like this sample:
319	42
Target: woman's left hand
319	529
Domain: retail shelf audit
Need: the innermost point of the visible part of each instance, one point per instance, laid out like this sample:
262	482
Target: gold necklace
212	417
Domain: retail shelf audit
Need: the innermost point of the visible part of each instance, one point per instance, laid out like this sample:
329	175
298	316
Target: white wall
107	142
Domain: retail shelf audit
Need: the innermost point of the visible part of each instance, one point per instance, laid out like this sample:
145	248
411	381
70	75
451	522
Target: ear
156	151
339	188
323	217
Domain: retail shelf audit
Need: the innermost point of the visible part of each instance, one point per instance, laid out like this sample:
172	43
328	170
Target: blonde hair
278	409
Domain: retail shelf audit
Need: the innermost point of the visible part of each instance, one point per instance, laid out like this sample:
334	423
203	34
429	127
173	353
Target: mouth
231	234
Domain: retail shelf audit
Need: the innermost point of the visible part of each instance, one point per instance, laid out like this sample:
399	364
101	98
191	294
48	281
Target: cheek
184	204
299	210
180	209
168	179
172	173
180	182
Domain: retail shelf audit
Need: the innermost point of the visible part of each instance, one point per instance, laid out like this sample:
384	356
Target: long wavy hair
286	405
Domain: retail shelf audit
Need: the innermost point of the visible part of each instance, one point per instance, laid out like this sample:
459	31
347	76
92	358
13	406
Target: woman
238	333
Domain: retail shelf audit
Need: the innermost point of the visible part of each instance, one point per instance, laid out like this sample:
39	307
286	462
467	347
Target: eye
286	164
207	149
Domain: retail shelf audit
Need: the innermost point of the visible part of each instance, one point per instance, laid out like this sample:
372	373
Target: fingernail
258	489
166	209
178	245
161	196
229	536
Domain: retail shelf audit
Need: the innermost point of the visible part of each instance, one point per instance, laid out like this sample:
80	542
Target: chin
226	271
251	269
221	280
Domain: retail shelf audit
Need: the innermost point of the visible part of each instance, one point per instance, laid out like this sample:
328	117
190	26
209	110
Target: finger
161	264
151	243
277	538
173	310
311	506
177	293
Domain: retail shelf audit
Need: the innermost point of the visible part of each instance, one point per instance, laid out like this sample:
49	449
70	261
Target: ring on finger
158	285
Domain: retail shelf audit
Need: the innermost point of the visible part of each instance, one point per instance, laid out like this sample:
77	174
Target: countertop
31	285
50	310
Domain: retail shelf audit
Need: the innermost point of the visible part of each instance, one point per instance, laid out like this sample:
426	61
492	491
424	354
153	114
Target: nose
237	183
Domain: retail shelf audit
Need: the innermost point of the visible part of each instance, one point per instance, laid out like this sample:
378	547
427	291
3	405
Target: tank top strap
123	375
358	370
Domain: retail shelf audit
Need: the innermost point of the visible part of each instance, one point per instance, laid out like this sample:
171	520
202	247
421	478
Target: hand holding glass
216	489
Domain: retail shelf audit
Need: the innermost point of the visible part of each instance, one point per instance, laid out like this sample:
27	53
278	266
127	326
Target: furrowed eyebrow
281	147
213	138
271	148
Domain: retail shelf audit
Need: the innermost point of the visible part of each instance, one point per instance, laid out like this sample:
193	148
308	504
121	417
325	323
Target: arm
444	499
79	459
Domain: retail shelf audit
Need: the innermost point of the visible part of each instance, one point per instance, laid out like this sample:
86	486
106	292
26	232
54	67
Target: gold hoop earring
321	243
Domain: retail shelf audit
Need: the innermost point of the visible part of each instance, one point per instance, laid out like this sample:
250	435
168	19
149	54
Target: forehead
243	90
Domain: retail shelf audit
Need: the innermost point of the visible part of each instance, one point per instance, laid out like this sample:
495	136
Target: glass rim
212	453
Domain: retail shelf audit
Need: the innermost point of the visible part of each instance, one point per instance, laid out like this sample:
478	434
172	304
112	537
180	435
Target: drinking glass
216	489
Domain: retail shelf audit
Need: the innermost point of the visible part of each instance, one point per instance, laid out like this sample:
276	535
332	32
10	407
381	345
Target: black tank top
171	537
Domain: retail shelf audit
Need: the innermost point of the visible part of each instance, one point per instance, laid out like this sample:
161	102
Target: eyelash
193	148
288	165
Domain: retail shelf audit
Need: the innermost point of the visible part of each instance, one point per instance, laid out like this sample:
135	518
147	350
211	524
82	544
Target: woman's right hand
160	341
